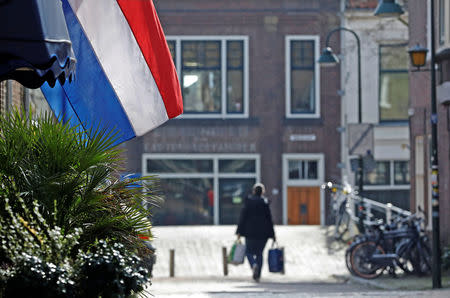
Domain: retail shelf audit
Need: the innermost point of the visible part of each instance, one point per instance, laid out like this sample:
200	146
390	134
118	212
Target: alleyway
198	253
314	266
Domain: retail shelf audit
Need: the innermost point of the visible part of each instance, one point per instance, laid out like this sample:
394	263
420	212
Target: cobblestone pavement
314	266
198	252
239	287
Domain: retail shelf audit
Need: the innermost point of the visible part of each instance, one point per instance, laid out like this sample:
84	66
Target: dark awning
34	43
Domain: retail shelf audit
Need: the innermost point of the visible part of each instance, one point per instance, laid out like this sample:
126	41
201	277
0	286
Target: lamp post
328	58
388	8
418	59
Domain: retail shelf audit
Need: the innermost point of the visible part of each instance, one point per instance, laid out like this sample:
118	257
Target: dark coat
256	220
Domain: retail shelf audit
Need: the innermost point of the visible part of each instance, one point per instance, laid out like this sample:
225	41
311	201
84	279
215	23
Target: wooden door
303	205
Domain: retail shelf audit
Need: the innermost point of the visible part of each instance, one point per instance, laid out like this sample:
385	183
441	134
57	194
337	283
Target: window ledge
394	123
213	122
303	121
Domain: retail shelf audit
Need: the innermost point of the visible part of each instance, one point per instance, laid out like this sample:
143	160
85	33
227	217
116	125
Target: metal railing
352	197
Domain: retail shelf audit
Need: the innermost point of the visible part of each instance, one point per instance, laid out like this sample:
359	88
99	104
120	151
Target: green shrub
32	277
110	271
59	193
73	175
39	260
35	258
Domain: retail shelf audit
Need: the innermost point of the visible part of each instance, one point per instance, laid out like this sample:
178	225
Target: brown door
303	205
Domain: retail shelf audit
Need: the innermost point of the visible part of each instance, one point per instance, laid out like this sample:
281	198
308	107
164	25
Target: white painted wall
390	142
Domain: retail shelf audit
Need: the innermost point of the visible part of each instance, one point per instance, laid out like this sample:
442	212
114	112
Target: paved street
314	266
198	252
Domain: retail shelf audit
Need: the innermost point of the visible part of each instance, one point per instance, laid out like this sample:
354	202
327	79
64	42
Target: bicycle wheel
404	256
348	253
360	260
424	256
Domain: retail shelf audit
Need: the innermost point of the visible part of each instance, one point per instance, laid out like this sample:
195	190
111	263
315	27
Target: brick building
257	107
420	104
13	95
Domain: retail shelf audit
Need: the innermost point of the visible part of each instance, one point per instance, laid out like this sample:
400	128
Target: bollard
225	261
388	213
172	263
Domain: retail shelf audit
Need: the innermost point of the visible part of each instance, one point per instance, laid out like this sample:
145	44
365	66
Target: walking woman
256	225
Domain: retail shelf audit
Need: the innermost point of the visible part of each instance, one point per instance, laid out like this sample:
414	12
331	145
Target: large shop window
302	77
389	182
213	74
394	83
190	185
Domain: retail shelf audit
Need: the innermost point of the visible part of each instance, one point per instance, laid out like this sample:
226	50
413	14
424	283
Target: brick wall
267	130
420	125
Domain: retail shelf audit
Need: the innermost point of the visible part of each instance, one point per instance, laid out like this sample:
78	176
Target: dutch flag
125	76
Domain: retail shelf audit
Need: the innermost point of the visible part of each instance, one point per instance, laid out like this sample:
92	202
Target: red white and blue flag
125	76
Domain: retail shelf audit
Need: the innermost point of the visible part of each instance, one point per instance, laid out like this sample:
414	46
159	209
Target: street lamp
418	59
328	58
388	8
418	55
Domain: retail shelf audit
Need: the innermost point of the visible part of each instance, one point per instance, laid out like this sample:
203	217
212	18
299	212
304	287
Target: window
401	172
303	169
213	75
190	184
388	173
388	183
442	32
394	83
443	15
302	77
380	175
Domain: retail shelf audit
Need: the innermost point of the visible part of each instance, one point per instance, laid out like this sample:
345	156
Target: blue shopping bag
276	259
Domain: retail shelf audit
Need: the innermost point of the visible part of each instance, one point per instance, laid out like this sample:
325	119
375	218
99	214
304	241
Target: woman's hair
259	189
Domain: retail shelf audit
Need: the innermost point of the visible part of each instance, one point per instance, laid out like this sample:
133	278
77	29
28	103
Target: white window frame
446	33
391	185
214	174
320	158
288	40
223	39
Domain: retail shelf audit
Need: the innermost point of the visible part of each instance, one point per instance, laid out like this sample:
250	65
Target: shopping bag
237	253
276	259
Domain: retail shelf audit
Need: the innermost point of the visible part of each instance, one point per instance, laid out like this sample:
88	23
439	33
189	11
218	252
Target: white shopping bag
237	253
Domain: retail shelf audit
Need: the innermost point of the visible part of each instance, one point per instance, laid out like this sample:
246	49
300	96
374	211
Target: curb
372	283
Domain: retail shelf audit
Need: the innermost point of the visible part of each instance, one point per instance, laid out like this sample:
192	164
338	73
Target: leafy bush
110	271
38	261
73	175
35	259
33	277
59	193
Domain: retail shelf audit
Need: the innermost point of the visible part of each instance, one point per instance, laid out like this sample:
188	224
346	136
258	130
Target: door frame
320	157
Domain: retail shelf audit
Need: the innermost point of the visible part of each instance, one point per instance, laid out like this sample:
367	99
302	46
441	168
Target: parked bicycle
402	244
342	196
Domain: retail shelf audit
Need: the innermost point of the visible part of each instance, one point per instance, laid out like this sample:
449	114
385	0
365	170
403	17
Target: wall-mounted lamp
418	55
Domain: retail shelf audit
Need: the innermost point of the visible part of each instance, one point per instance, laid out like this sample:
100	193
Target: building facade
381	136
420	104
257	107
13	95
